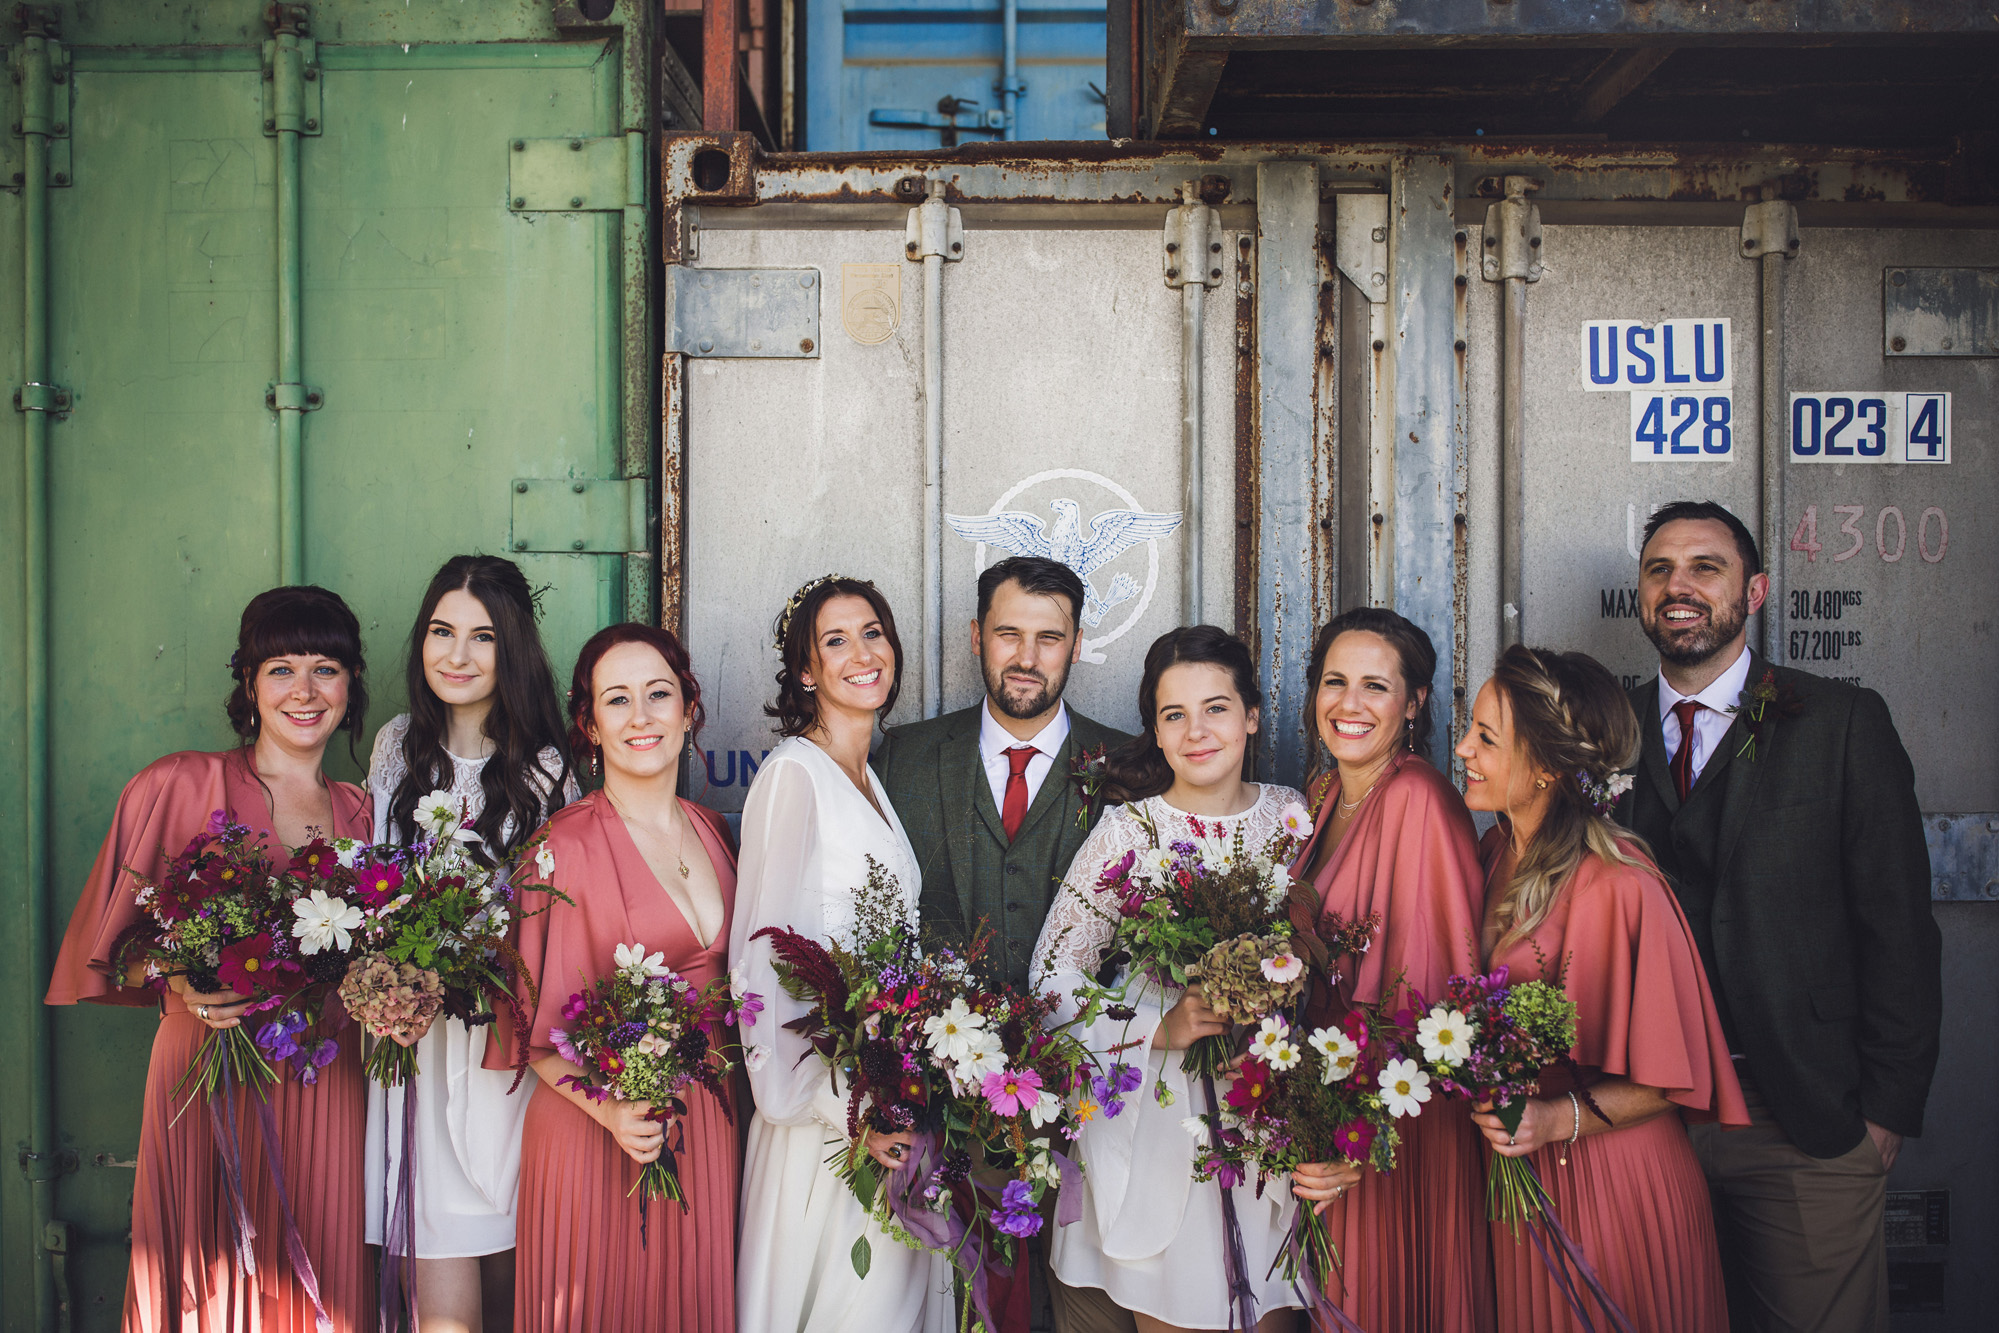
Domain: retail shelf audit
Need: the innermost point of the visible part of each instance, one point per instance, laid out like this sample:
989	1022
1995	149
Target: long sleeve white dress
468	1130
1150	1236
807	833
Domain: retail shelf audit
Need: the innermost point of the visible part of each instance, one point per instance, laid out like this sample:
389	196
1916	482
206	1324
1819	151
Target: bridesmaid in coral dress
1576	900
1392	839
298	672
643	867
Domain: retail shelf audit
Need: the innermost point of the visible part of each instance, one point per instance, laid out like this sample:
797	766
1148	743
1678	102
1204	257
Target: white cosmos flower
1341	1052
1445	1035
1153	862
981	1061
1284	1056
324	922
755	1058
635	963
438	811
1404	1088
1270	1034
954	1033
544	861
1284	967
1296	821
1617	784
1197	1129
1045	1110
347	851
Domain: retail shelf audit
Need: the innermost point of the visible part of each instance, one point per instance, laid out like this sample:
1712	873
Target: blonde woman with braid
1572	898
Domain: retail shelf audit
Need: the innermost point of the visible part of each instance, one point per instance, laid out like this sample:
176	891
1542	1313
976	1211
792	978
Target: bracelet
1575	1133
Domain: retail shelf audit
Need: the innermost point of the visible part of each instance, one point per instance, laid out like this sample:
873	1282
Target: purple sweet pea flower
218	820
1016	1216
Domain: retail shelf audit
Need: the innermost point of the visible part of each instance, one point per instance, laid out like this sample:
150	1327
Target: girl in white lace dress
1150	1236
814	818
483	724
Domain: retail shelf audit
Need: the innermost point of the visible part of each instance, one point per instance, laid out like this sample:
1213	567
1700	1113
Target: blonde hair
1571	718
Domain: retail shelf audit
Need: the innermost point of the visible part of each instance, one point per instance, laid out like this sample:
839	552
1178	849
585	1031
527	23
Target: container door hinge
293	398
38	1167
44	103
1193	242
934	228
50	398
1770	229
602	516
1513	234
753	312
579	174
291	74
1360	243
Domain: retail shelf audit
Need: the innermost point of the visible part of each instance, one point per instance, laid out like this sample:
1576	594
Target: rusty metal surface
1308	23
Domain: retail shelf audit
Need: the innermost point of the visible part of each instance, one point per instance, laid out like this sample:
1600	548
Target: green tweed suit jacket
971	874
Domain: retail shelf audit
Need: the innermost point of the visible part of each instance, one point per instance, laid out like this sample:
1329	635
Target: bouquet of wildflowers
1206	909
227	916
647	1034
921	1043
1488	1040
431	936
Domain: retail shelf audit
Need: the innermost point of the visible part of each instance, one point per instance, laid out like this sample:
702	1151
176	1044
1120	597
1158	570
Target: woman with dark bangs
483	725
643	865
297	671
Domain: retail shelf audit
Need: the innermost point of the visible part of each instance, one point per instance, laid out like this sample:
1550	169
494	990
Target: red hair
582	697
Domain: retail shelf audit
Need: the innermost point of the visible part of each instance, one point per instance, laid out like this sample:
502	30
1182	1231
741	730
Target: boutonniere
1086	774
1756	704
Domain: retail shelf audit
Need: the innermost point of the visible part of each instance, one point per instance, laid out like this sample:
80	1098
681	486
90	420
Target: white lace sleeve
1081	920
385	772
550	760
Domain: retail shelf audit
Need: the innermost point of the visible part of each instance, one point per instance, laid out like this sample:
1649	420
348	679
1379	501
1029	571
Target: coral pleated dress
582	1263
1412	1243
1634	1199
183	1273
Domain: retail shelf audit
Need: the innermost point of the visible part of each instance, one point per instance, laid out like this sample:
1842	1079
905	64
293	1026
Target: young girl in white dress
484	725
814	818
1150	1236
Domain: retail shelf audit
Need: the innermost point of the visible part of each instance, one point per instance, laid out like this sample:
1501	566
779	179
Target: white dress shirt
995	741
1722	696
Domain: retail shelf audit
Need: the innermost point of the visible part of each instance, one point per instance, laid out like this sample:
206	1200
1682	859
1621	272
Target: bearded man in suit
987	798
1782	808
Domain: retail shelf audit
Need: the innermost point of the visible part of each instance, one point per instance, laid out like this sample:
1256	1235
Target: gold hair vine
798	598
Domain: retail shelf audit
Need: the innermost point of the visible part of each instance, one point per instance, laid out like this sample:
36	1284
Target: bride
814	818
1150	1237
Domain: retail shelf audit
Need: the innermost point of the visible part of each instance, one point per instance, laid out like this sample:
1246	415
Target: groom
988	801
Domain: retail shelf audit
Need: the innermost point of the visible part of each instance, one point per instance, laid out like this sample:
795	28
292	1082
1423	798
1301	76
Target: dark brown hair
795	709
1706	511
1138	768
1571	718
1413	651
523	721
303	620
1035	574
583	697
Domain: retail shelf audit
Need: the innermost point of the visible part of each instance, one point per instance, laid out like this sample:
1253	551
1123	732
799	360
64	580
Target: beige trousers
1801	1242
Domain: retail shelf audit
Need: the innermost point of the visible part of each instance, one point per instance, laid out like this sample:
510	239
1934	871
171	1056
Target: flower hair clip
1603	793
798	599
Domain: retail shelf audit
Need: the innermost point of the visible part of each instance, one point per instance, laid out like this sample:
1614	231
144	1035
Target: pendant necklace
679	842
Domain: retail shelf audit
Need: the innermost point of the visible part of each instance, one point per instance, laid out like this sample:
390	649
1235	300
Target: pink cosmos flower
1012	1091
1284	967
560	1040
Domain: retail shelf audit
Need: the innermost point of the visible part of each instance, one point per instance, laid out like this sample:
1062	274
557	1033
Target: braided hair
1572	719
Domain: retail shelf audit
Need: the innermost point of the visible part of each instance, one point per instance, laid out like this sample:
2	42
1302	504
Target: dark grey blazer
1805	877
932	773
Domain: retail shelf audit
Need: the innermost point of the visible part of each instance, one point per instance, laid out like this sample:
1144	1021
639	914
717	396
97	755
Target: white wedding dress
1151	1237
468	1130
806	835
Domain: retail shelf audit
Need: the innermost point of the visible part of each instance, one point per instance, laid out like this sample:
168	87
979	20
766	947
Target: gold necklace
680	829
1346	809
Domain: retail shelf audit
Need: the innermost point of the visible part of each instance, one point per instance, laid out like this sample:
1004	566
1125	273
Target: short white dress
1151	1237
468	1130
807	836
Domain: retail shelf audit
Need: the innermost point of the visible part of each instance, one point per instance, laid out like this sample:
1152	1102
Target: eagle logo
1085	550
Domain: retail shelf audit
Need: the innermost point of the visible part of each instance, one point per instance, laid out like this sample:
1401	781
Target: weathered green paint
458	347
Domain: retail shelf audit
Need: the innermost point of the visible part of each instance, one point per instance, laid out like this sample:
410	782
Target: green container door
473	356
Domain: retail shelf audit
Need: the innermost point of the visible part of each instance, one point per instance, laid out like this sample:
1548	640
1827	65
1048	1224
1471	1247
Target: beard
1034	704
1691	647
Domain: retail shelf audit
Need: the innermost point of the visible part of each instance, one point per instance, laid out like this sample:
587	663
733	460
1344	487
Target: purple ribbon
222	1106
294	1246
399	1226
1235	1261
1323	1313
941	1231
1565	1248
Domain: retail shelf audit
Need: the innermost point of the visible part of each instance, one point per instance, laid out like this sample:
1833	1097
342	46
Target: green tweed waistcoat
971	873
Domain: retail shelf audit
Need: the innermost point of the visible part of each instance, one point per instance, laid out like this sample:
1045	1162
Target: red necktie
1015	809
1683	758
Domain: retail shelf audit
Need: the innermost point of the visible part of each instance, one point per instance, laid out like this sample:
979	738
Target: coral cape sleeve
1644	1011
557	943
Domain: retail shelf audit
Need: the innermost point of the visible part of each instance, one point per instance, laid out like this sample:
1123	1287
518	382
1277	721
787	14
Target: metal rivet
1378	235
1214	247
1172	272
756	344
520	488
956	246
1462	236
1214	273
577	487
1491	242
1460	280
520	202
1899	279
270	124
1378	345
1379	279
576	201
807	279
61	128
311	76
1946	344
1172	247
520	545
576	545
1534	242
60	178
575	145
706	345
805	344
1379	520
1459	344
1748	244
1242	242
520	145
1898	343
313	399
